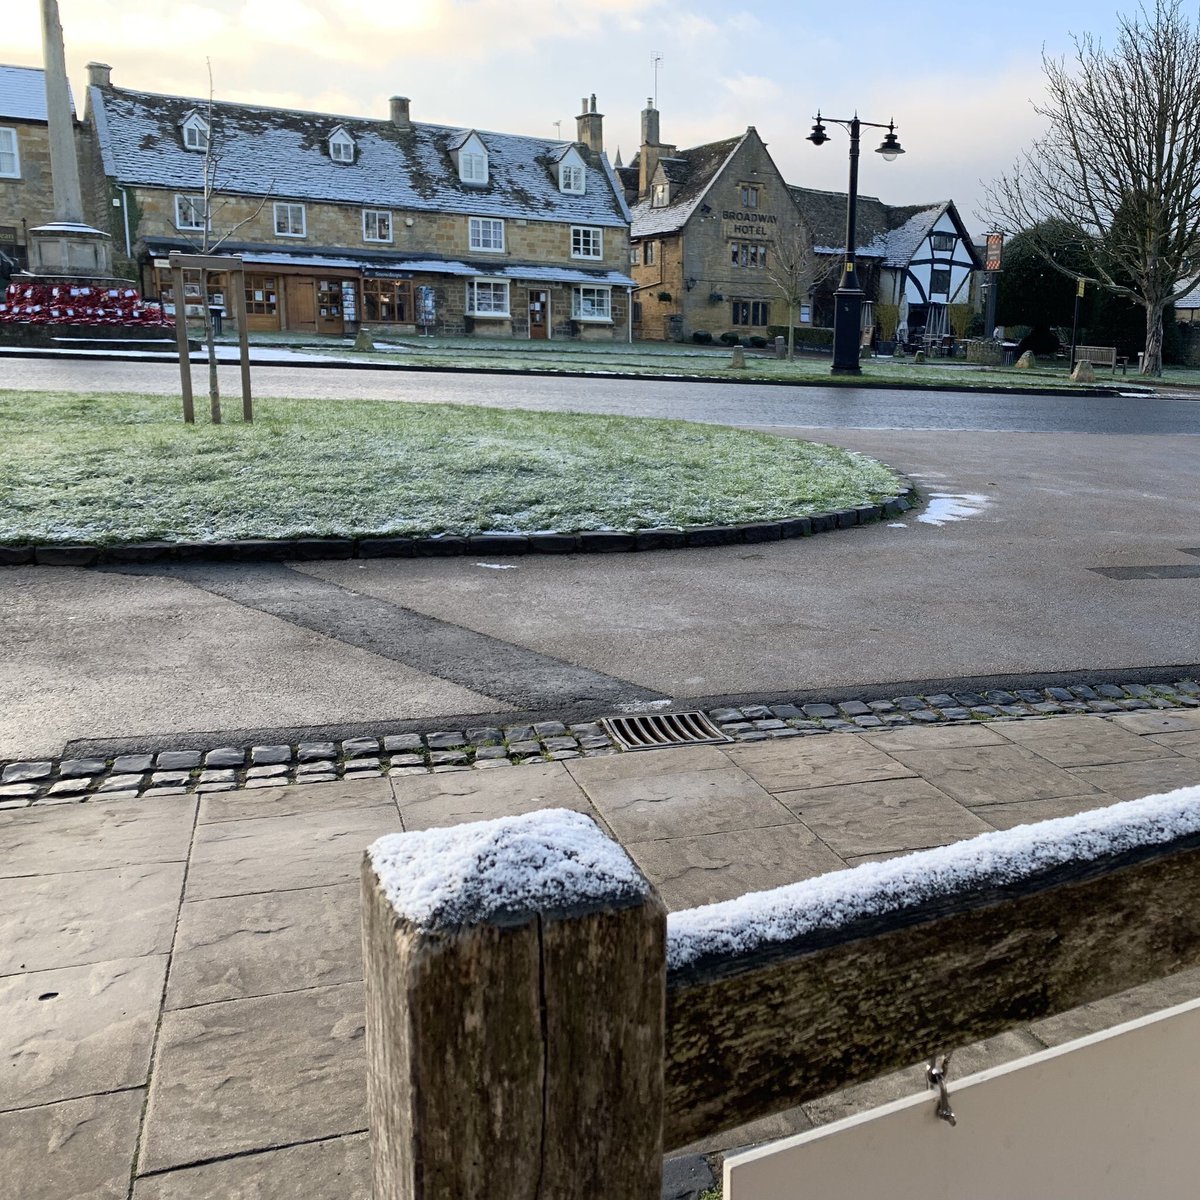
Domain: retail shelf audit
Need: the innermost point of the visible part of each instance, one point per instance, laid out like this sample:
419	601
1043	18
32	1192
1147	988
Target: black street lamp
848	299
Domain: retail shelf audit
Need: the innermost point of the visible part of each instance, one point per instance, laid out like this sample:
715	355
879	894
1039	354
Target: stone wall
29	201
697	267
340	225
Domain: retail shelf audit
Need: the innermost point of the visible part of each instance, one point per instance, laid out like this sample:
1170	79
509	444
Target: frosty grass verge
101	469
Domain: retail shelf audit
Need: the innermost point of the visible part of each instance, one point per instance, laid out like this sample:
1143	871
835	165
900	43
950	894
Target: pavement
181	1007
1066	553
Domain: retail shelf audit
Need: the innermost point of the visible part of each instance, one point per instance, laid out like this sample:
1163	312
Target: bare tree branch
1119	164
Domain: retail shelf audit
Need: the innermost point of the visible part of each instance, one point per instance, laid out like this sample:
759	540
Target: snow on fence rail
537	1027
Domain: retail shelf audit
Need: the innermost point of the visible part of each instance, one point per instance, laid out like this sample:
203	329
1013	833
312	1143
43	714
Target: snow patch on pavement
944	507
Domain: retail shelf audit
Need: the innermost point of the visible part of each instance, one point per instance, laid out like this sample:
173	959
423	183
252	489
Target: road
743	404
1067	502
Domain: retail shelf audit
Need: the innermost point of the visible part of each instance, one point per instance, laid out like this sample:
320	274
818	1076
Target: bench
1101	356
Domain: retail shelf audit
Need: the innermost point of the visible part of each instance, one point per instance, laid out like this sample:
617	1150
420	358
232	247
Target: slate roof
375	262
278	152
23	94
889	232
691	173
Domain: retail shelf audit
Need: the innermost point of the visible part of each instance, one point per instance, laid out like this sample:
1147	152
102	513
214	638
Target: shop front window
388	300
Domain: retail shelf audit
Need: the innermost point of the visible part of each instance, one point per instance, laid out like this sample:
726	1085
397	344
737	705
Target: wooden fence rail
534	1032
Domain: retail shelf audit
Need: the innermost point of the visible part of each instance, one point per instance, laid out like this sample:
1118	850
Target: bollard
515	981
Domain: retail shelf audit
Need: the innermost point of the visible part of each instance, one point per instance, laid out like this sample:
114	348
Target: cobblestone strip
176	772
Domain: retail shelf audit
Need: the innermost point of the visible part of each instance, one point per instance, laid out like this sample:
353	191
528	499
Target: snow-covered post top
516	980
554	861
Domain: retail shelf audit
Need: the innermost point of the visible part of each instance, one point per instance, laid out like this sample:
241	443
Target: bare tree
1119	163
795	269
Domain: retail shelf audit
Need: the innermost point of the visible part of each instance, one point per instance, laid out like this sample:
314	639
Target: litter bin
216	314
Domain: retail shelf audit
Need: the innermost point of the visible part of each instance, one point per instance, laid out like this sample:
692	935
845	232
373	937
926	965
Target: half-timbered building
919	255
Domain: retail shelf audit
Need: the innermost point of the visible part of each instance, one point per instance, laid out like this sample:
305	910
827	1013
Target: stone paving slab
254	1074
78	1031
992	774
232	858
817	762
51	921
1186	743
1128	781
434	801
292	801
75	1150
256	1081
1079	741
686	802
241	946
334	1169
880	818
81	837
1023	812
690	871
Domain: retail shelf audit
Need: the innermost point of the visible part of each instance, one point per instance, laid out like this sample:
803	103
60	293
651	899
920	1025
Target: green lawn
77	467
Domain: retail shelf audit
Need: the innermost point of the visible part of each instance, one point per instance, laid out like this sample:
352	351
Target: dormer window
195	132
341	146
661	196
471	158
571	175
472	168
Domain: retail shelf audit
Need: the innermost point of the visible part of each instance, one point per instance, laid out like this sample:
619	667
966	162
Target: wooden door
330	317
539	316
301	304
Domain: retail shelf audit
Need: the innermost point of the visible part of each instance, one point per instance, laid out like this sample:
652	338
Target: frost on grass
111	468
544	861
829	902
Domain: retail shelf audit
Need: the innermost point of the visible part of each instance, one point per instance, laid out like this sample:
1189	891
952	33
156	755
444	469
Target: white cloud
753	88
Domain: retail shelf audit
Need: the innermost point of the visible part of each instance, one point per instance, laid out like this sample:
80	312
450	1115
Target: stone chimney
589	125
400	117
99	75
652	149
649	123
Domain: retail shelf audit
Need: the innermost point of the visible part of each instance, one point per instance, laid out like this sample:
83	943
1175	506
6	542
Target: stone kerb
606	541
515	991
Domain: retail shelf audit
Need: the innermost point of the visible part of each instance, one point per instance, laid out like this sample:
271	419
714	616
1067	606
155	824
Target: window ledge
594	320
491	316
291	235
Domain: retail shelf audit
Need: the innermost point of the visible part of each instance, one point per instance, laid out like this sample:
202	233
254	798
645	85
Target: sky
957	79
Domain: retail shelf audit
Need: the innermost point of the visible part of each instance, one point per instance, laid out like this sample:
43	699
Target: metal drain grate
663	729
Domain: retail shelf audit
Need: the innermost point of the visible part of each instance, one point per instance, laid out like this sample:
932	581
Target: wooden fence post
515	1014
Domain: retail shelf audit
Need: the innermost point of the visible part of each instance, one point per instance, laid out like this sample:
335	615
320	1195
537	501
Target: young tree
795	269
1119	163
210	242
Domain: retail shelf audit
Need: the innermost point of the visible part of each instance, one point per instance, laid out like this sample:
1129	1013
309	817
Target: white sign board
1114	1116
